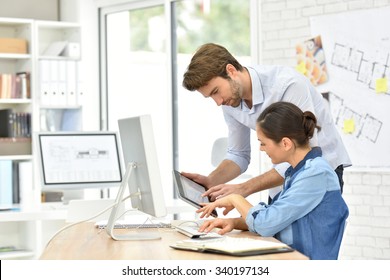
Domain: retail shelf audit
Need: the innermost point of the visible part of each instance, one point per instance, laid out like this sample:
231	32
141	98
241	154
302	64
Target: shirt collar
313	153
257	90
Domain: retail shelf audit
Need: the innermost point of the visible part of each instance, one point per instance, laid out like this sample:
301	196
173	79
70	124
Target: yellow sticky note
381	85
349	126
301	67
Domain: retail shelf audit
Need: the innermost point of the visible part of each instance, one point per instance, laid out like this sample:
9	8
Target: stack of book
15	85
14	124
15	181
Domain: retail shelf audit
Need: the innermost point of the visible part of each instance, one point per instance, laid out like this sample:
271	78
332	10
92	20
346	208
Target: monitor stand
144	235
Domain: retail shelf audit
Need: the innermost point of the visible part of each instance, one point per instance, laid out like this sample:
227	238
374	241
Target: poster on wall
357	48
311	60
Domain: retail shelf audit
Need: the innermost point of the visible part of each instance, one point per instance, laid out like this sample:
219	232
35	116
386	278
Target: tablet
190	191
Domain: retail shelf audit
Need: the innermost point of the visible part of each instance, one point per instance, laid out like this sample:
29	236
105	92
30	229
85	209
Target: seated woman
309	213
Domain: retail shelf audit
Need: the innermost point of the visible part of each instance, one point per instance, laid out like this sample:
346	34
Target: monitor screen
78	160
142	178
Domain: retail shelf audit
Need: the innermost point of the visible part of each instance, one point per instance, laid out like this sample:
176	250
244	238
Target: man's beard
236	93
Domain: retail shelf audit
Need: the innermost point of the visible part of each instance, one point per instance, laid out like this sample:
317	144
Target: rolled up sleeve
252	214
239	148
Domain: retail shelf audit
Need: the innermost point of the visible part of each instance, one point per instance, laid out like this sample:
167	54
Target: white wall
284	24
37	9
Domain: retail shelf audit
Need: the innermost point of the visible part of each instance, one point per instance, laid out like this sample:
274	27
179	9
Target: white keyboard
124	225
192	231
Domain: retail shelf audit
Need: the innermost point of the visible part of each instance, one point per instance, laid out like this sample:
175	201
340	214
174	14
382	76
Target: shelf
56	24
48	57
18	254
16	157
23	225
15	101
14	56
33	215
53	107
6	21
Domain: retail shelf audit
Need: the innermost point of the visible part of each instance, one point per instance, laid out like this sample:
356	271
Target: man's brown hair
208	62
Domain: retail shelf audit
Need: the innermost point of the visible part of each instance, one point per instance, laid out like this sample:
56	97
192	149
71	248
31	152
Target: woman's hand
226	202
226	225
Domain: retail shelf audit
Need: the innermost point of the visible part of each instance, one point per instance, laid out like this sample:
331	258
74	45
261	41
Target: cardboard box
13	45
15	146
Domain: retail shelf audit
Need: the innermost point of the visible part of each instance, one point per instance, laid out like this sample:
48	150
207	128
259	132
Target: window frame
171	55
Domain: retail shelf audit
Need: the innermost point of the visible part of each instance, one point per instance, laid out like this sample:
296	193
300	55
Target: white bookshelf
26	227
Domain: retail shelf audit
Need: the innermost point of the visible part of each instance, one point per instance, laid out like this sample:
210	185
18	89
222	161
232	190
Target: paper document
233	246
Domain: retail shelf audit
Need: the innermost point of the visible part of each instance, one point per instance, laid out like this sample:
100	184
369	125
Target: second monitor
142	177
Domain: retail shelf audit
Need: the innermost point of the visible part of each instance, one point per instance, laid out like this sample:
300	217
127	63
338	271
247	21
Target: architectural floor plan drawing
368	70
358	64
364	125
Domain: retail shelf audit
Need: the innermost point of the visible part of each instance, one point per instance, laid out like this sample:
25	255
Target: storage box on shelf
13	45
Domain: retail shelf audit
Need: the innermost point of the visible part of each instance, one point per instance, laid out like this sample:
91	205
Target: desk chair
218	151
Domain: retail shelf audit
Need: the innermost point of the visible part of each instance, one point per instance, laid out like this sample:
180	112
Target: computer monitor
74	161
142	177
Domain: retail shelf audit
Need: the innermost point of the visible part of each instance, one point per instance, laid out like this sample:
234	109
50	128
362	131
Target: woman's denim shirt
309	214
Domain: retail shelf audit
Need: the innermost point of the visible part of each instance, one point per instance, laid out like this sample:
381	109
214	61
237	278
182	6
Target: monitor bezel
142	151
70	186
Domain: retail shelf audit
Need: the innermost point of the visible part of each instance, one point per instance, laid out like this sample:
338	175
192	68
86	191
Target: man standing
243	93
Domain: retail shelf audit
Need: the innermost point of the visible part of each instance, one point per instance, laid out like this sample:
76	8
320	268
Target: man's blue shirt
278	83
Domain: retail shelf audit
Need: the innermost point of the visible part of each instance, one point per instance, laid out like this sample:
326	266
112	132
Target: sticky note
381	85
349	126
301	67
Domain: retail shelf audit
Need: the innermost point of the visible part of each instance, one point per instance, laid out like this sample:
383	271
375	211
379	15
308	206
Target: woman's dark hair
284	119
208	62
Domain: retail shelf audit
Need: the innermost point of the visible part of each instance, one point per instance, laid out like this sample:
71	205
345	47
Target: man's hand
200	179
216	190
262	182
223	190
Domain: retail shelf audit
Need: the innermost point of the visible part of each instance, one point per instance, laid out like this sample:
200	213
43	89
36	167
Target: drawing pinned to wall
357	47
311	60
371	67
359	125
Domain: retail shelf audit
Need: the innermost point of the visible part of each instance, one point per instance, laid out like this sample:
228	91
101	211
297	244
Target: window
200	122
145	49
137	76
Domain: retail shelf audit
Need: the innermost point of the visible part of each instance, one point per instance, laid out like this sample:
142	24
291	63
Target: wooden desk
85	241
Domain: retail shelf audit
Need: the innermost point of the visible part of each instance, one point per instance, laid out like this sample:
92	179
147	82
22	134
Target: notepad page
232	244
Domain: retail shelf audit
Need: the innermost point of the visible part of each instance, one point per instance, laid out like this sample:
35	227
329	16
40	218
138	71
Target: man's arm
265	181
227	170
262	182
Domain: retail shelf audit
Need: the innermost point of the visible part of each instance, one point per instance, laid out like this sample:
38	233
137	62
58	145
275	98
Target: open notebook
235	246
